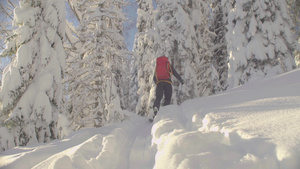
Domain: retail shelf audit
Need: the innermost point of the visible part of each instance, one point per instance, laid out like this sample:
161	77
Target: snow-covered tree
175	27
133	85
260	41
96	74
206	72
294	8
180	31
6	18
144	59
297	56
219	49
31	92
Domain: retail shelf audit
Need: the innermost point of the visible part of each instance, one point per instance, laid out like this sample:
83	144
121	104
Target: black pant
163	88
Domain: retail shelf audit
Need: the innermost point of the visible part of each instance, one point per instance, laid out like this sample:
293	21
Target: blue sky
130	25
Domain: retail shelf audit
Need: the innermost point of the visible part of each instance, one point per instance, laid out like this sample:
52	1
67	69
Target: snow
23	57
252	126
255	30
31	91
25	15
12	76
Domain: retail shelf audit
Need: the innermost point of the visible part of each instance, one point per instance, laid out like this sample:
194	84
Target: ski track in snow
135	145
128	144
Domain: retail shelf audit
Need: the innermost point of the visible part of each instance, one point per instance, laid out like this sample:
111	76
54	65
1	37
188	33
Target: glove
181	81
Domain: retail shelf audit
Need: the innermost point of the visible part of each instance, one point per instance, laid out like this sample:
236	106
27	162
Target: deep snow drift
253	126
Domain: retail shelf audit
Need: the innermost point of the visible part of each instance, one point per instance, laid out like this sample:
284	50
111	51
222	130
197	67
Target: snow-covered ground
253	126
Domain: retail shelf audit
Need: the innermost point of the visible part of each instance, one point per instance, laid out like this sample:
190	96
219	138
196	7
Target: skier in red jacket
162	78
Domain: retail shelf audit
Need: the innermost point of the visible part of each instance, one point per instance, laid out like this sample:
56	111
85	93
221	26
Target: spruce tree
144	58
294	10
260	41
219	49
180	32
31	92
208	79
175	27
96	73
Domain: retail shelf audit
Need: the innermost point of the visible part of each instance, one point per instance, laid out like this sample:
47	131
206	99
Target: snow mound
252	126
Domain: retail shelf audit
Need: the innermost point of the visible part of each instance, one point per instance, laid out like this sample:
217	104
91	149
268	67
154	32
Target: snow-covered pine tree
219	49
31	92
260	41
297	55
145	49
133	85
6	18
175	27
294	8
96	73
206	72
145	15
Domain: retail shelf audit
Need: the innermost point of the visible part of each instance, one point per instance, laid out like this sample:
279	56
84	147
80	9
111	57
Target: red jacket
172	71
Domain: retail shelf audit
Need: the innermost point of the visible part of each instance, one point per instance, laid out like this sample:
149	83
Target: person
164	85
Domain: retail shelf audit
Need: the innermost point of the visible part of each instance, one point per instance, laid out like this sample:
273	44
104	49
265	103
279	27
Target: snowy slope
253	126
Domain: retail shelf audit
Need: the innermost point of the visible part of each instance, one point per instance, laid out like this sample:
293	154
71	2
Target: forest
58	76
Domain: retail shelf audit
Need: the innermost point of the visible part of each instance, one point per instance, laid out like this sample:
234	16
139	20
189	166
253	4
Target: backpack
163	68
